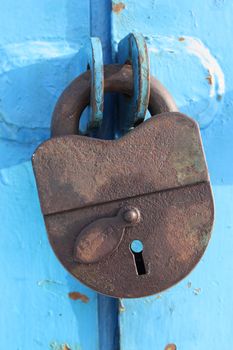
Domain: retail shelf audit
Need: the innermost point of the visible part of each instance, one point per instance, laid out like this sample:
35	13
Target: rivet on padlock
103	236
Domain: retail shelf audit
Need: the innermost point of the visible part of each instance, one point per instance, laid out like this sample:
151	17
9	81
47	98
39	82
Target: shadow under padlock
98	197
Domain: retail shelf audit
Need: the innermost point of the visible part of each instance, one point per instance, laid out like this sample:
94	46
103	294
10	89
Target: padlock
128	217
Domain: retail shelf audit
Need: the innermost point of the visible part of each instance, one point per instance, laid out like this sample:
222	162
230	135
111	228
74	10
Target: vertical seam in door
100	25
108	322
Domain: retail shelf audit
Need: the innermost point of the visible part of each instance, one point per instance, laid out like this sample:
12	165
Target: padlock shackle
117	78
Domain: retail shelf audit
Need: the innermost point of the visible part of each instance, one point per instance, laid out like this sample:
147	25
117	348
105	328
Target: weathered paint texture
190	44
191	52
39	48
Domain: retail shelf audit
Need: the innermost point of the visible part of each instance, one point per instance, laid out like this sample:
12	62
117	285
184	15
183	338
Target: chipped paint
38	53
193	46
118	7
121	306
196	47
203	321
209	78
170	347
197	291
78	296
64	346
204	82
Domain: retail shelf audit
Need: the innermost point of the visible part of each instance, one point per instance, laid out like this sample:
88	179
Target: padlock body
174	235
160	169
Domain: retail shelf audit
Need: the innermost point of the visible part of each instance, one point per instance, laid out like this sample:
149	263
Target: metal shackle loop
117	78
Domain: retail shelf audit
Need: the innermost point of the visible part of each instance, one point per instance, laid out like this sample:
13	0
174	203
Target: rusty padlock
99	197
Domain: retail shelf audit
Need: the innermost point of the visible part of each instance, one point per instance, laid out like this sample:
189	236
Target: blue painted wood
39	45
101	27
108	323
191	53
192	56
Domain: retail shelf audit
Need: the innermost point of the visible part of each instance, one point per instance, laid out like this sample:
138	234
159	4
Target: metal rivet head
132	216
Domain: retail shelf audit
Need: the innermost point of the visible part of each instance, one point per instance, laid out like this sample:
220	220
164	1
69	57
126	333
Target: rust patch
78	296
66	347
181	38
209	78
117	8
171	347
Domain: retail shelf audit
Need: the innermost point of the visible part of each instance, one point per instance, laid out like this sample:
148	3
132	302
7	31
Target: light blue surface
39	45
191	52
190	46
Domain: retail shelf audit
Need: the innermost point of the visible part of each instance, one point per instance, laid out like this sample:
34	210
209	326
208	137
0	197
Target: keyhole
137	250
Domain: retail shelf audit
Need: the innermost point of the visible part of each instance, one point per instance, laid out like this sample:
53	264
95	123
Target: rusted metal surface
158	168
175	230
162	153
100	238
117	78
132	110
79	296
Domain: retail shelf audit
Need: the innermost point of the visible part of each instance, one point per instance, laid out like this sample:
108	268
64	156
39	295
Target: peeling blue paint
39	47
191	53
56	346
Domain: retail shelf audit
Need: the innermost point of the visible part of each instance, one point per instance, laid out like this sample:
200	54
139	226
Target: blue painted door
42	306
191	52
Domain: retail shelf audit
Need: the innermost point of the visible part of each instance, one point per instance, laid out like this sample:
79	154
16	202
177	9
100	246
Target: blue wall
191	52
39	45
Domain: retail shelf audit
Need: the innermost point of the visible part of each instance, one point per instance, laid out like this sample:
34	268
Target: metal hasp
117	78
99	196
132	109
94	63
